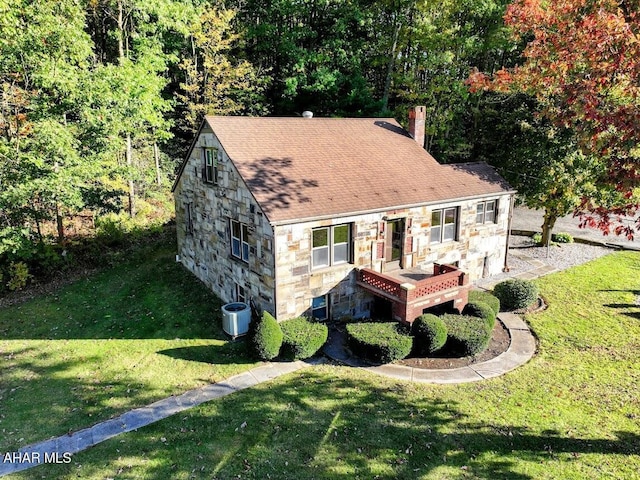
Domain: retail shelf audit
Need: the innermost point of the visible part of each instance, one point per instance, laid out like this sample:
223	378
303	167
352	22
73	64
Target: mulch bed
498	344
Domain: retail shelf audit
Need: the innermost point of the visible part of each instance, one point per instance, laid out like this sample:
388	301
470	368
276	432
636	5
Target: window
239	240
210	172
188	214
330	245
444	225
241	296
486	212
319	308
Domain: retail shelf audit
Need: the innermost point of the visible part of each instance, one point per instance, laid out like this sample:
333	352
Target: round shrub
378	342
481	310
485	297
466	335
302	338
429	334
265	337
562	237
515	294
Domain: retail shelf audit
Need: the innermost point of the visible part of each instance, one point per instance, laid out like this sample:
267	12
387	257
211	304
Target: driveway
528	219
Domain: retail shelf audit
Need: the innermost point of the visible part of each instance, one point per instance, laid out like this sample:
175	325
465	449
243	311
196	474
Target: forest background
100	99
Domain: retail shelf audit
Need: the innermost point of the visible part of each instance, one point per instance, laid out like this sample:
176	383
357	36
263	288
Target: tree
582	65
214	83
44	173
541	161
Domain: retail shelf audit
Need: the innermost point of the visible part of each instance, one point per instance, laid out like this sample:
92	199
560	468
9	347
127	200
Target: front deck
412	291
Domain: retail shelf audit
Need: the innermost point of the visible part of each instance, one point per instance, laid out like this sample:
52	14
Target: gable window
330	245
444	225
486	212
239	240
319	308
210	171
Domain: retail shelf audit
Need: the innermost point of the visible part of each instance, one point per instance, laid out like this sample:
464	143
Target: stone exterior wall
205	249
479	250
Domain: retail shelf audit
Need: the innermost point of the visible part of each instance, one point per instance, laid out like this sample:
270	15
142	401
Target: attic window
210	168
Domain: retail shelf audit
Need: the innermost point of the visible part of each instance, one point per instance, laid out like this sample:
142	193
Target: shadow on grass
315	426
42	395
229	353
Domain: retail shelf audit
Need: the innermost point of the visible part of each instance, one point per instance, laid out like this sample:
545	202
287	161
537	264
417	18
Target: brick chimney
417	117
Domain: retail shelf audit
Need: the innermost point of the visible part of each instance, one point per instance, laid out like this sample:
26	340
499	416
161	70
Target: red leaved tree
582	64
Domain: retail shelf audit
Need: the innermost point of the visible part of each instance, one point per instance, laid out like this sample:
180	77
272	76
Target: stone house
331	217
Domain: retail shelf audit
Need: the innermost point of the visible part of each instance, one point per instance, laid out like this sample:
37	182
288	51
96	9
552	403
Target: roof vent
307	114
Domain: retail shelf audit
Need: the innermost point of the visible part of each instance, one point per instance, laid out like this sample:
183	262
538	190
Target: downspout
506	253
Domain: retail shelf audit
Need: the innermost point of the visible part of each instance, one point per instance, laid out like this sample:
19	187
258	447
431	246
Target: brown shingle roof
299	168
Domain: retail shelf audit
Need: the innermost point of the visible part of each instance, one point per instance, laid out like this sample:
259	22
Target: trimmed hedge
302	338
378	342
485	297
515	294
429	334
481	310
466	335
265	337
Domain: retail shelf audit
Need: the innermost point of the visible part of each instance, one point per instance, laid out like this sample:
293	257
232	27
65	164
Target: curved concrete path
520	351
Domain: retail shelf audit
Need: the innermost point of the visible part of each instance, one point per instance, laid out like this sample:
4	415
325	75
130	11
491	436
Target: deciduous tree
582	64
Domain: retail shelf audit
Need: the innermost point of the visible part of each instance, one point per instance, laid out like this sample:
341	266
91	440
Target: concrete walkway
36	454
520	351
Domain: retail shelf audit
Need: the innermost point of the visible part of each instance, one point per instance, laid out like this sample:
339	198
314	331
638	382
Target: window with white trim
330	245
210	170
320	307
444	225
239	240
486	211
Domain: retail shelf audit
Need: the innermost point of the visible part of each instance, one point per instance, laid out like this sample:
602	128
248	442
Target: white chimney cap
307	114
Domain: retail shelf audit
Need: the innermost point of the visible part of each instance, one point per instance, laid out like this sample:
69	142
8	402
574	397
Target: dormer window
210	170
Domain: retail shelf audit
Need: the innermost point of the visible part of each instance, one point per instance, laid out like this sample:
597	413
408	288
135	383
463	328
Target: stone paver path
140	417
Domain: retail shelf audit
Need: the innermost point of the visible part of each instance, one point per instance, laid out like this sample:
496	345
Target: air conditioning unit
235	318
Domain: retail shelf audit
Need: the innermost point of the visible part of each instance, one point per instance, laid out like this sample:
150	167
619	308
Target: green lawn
572	412
115	341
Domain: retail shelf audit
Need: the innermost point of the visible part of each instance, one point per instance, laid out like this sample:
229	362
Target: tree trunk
59	225
547	226
392	61
132	191
156	155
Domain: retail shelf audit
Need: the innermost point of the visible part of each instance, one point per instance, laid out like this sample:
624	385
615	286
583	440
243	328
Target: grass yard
118	340
572	412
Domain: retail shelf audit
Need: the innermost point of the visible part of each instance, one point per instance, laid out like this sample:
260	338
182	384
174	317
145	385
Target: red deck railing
445	277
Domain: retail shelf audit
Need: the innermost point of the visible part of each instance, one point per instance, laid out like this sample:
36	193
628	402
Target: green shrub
265	337
562	237
481	310
466	335
378	342
18	276
485	297
429	334
302	338
515	294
